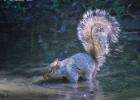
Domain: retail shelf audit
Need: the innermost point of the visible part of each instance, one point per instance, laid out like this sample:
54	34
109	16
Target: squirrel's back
96	30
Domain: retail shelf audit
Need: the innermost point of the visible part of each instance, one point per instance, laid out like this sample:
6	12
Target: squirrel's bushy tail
96	30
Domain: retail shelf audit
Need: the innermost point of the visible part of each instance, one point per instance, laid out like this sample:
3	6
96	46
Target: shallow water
118	79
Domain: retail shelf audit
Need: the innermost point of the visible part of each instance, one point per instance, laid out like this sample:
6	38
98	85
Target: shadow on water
117	80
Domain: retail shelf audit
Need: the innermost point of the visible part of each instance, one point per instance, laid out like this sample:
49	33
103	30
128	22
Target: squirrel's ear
57	62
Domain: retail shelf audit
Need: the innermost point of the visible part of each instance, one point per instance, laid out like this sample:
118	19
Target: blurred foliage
120	8
56	5
21	6
117	7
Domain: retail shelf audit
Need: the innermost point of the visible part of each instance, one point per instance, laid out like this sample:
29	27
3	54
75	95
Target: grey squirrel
96	31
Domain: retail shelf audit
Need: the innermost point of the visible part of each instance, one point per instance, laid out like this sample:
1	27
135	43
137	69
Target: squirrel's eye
50	71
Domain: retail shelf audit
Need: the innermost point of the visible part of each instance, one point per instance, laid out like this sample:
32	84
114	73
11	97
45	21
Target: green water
118	79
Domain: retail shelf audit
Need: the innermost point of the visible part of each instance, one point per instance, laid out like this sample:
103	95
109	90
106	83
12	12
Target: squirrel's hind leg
73	76
88	75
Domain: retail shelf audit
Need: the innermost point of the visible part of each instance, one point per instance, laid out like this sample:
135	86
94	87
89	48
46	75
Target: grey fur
72	68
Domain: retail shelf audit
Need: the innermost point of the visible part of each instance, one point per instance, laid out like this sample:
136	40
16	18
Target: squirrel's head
52	69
